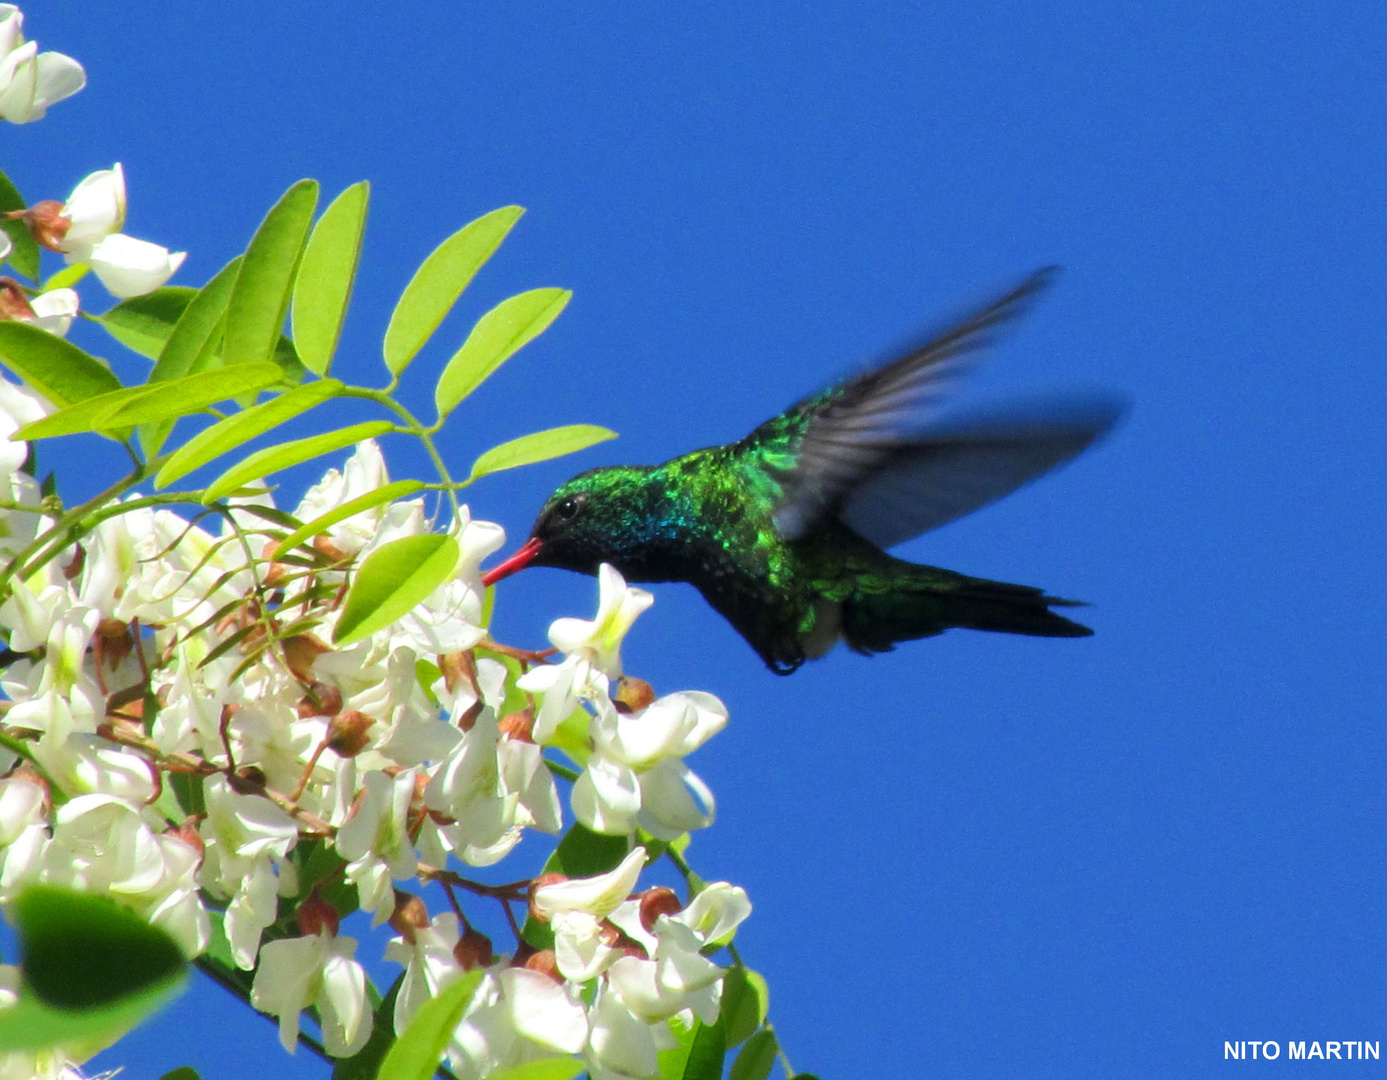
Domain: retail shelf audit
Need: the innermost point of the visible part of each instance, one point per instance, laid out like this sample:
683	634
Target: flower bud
632	694
410	915
348	733
300	651
316	915
518	725
656	901
114	641
249	780
14	301
331	551
456	667
188	834
473	950
322	699
545	962
79	558
45	222
549	877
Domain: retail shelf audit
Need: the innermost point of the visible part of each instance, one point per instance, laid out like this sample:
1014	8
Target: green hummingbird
783	532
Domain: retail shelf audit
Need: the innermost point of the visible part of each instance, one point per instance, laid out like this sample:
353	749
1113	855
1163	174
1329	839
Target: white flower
429	965
55	310
96	210
376	842
31	81
598	895
599	640
620	1045
130	267
296	973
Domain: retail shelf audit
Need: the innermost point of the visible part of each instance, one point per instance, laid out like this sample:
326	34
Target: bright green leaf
67	277
324	283
24	254
260	297
238	429
282	456
439	281
756	1059
745	1001
392	580
57	369
420	1047
389	493
498	335
144	323
539	446
143	404
548	1069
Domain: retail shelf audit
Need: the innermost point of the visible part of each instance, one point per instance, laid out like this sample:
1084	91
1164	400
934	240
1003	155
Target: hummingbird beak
517	562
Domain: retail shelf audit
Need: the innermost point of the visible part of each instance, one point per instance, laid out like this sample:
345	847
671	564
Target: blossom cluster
186	741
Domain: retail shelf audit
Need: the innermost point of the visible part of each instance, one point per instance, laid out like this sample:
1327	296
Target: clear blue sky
980	856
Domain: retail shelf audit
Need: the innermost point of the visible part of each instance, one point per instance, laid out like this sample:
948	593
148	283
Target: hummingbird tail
925	605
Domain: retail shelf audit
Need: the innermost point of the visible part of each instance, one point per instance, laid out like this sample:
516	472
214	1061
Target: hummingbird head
589	520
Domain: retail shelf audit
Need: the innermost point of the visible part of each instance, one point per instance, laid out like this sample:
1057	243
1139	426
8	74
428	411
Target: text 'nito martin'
1270	1050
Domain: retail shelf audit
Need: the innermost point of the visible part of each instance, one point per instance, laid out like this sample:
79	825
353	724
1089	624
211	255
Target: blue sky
980	856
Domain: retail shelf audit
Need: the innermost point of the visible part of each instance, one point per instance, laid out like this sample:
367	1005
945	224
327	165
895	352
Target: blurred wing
947	474
845	435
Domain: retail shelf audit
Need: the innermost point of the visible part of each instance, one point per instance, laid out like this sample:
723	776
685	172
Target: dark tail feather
874	623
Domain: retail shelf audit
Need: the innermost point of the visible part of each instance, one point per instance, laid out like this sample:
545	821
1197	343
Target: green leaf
92	969
498	335
143	404
389	493
745	1002
673	1059
237	430
144	323
365	1063
324	283
24	255
57	369
420	1047
756	1059
584	853
392	580
539	446
549	1069
439	281
260	298
282	456
706	1053
67	277
183	1072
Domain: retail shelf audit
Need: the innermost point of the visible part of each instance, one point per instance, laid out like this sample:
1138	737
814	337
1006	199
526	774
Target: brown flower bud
188	834
632	694
249	780
300	651
46	223
657	901
114	640
545	962
518	726
410	915
473	950
316	915
14	302
79	560
550	877
322	699
331	551
456	667
349	732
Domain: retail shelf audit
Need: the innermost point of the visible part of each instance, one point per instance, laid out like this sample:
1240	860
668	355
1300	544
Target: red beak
517	562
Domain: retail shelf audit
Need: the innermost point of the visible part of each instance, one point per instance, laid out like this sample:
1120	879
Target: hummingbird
784	532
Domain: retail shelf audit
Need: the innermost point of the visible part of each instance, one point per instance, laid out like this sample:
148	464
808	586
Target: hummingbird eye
566	510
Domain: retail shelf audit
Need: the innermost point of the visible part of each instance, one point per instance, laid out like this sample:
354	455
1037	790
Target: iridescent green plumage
783	531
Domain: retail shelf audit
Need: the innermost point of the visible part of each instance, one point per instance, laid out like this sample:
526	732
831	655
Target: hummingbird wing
828	446
955	469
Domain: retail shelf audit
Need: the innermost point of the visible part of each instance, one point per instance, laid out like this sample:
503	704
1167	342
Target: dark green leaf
498	335
584	853
439	281
260	298
24	256
745	1001
420	1047
183	1072
392	580
324	283
389	493
756	1059
57	369
273	458
706	1053
144	323
238	429
539	446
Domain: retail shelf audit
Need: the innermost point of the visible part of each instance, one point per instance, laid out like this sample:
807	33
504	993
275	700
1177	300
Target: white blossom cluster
154	654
